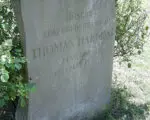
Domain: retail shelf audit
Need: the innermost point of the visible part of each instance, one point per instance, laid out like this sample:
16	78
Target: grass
131	90
122	109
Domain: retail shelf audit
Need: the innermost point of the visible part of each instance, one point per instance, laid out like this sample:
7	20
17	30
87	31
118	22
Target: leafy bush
11	80
131	32
8	26
12	61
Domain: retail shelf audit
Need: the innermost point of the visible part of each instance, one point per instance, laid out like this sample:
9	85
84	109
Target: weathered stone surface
69	44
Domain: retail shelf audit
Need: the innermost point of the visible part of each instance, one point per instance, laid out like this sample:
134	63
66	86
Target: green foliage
8	26
11	80
131	31
12	61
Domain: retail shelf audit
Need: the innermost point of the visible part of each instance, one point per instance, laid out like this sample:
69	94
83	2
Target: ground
136	80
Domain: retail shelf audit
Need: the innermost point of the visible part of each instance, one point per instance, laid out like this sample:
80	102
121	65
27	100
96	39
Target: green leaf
146	27
16	30
2	102
18	66
129	65
4	77
6	98
31	86
22	102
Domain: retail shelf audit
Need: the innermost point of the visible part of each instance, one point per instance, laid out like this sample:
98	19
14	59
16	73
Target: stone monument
69	46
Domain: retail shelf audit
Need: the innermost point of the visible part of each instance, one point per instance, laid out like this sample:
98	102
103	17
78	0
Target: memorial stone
69	46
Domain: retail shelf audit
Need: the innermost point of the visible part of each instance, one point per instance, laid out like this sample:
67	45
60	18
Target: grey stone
69	45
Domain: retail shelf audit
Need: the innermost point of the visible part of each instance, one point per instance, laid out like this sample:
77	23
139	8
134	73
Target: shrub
131	32
12	60
11	80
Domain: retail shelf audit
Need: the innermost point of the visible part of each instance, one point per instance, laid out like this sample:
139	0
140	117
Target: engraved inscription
72	62
62	46
81	22
87	14
53	31
69	46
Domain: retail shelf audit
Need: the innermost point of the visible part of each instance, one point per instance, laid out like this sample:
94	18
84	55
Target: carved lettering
76	27
62	46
